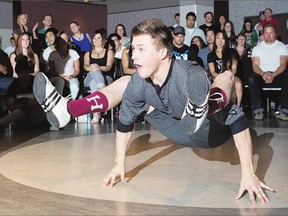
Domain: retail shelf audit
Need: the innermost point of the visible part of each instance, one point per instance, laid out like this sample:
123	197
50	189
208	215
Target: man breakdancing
178	98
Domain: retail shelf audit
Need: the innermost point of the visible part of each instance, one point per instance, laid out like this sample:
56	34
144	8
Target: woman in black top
223	58
98	62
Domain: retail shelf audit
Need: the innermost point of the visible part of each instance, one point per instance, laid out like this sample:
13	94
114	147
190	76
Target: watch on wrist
71	76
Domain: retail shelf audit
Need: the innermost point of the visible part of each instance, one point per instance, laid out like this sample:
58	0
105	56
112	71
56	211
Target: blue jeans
95	80
256	83
5	82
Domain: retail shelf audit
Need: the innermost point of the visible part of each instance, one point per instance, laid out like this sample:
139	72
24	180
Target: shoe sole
190	123
39	90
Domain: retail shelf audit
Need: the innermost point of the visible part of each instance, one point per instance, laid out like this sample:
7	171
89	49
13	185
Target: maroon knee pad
217	100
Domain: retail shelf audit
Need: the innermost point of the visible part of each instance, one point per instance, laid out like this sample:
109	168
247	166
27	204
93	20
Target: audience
269	61
100	61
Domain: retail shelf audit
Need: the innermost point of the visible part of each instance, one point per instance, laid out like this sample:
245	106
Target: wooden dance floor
60	173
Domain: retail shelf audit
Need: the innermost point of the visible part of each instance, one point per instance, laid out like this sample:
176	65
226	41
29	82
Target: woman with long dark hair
230	32
250	33
223	58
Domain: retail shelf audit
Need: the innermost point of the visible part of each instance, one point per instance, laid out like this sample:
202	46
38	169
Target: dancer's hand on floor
111	178
254	186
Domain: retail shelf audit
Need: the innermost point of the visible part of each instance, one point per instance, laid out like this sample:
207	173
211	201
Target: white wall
6	22
130	19
198	7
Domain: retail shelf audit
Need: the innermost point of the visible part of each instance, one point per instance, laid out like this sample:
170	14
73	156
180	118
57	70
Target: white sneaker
282	116
51	101
259	116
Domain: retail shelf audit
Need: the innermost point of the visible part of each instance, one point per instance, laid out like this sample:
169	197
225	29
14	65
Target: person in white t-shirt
11	48
269	61
177	20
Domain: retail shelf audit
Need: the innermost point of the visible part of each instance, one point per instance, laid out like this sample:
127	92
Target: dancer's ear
164	53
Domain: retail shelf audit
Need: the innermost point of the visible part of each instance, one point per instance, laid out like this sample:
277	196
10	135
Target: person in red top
268	13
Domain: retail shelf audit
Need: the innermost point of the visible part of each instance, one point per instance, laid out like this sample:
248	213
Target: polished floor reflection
60	173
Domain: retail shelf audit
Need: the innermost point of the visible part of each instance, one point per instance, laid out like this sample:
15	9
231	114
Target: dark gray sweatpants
214	131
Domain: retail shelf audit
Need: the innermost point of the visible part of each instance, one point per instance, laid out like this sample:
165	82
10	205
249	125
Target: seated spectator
127	62
24	47
193	55
24	111
177	20
181	50
47	23
209	22
71	45
50	35
6	71
250	33
191	30
198	41
230	32
83	40
121	31
268	14
223	58
258	27
22	22
11	48
221	23
64	66
244	69
98	64
203	53
114	41
269	61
